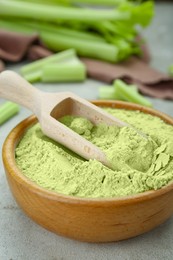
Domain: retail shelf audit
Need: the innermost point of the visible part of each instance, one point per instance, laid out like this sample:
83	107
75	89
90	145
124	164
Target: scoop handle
16	89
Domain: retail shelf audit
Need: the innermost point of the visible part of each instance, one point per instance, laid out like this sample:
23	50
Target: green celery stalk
91	2
98	2
130	94
117	28
57	13
126	44
141	13
32	71
125	48
99	50
49	2
62	30
68	71
110	39
71	33
24	26
171	70
33	77
32	67
16	27
86	44
8	110
78	34
108	92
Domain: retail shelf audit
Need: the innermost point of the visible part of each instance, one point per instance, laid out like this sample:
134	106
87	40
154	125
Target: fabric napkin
134	71
16	46
1	65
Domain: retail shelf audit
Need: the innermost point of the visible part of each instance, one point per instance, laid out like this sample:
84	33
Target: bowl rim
11	167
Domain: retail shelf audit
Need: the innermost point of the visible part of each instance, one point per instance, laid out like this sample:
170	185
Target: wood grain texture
92	220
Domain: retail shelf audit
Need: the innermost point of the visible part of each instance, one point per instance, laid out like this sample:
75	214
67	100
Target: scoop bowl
91	220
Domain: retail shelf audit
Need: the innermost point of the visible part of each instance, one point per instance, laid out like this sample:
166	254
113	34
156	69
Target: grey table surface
22	239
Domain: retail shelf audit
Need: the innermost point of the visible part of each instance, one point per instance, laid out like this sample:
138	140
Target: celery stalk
108	92
53	28
86	44
63	66
98	2
91	2
8	110
16	27
99	50
171	70
57	13
69	71
33	76
121	91
24	26
65	55
102	34
130	94
141	13
32	71
61	30
49	2
78	34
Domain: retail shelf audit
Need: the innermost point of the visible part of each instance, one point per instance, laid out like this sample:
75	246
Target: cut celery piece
8	110
37	65
68	71
108	92
33	71
130	94
33	76
64	66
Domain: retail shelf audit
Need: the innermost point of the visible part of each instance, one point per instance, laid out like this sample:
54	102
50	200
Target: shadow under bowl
85	219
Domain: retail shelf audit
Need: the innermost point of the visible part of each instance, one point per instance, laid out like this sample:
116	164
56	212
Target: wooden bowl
92	220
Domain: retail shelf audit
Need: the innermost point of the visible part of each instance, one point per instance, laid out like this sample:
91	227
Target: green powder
140	164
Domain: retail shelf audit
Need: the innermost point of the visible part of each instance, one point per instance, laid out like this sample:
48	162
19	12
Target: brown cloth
16	46
134	71
1	65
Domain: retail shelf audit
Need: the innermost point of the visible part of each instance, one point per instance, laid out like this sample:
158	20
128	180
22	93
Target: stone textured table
22	239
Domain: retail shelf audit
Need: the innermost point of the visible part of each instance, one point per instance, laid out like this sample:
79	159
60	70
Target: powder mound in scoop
78	124
140	164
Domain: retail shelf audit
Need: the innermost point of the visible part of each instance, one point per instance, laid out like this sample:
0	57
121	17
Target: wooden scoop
49	107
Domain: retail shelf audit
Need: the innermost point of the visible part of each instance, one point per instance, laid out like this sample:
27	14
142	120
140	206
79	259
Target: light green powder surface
140	164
